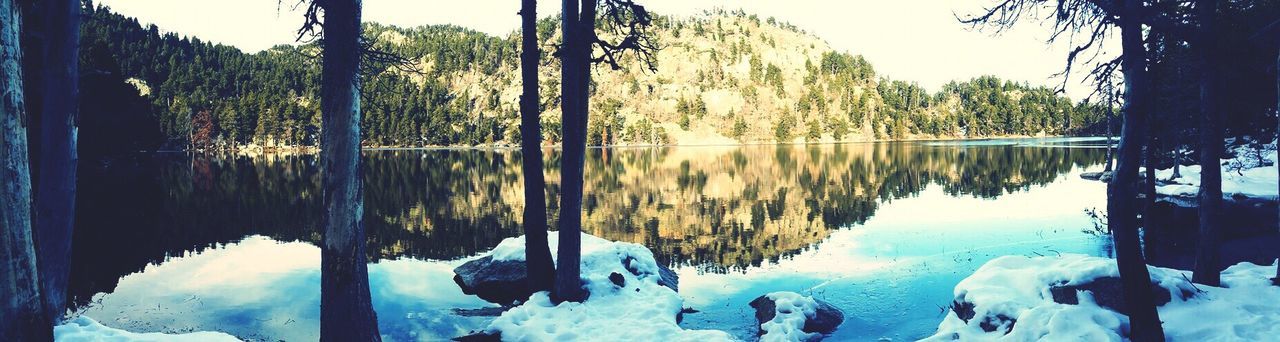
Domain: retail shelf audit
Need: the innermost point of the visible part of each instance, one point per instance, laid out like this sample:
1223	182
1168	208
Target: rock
825	319
617	279
964	310
1104	176
481	312
1108	292
667	277
506	281
501	282
479	337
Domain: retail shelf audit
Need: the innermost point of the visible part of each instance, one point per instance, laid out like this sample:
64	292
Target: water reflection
262	289
717	209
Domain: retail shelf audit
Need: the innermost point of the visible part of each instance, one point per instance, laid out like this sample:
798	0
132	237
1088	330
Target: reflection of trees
729	208
721	208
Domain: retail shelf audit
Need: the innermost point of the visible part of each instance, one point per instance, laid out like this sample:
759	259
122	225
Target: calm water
178	243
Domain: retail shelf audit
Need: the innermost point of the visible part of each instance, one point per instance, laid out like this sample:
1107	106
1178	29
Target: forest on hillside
721	77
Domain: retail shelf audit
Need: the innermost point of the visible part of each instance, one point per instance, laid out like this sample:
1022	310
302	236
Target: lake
177	243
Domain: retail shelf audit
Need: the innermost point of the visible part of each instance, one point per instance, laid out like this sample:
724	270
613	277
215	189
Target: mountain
721	77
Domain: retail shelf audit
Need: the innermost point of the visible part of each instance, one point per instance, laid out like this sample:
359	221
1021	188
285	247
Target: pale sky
910	40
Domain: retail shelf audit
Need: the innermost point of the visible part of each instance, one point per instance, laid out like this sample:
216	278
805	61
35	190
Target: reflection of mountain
719	208
729	208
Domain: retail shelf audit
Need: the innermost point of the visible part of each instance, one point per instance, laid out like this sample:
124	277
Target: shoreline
250	149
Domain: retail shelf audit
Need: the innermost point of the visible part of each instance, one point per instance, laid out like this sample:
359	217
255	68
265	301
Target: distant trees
537	253
22	312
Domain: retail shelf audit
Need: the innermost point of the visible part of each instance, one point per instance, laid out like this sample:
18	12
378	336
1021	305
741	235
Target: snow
1254	181
84	328
1246	308
639	310
791	310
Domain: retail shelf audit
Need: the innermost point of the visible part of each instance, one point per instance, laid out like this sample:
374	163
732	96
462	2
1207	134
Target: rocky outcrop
826	317
506	281
496	281
1108	292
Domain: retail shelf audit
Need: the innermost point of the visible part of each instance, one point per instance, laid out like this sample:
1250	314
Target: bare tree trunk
1207	269
1277	279
1110	114
537	254
1122	190
1149	173
1177	162
56	185
574	79
346	312
22	316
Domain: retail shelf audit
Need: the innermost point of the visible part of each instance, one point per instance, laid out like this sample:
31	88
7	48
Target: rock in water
825	319
501	281
506	281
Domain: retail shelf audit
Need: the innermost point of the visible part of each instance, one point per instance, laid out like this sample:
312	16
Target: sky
911	40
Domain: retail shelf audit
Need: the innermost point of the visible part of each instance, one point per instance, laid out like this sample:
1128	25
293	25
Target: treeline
204	95
458	90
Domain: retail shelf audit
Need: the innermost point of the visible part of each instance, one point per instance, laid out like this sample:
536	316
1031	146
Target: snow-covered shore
86	329
1012	297
626	301
1248	174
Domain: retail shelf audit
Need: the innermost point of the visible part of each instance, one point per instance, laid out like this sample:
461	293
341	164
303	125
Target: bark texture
1122	190
346	311
56	185
575	77
537	253
22	316
1208	267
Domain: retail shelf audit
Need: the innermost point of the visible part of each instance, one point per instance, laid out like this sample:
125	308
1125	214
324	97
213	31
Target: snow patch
1017	287
84	328
791	310
640	309
1252	181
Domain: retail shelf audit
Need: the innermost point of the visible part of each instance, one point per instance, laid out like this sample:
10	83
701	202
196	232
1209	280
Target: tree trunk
22	316
56	185
1122	190
1110	113
1149	221
346	312
574	79
537	254
1277	279
1207	269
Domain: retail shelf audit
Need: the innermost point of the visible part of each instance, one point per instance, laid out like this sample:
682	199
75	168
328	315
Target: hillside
722	77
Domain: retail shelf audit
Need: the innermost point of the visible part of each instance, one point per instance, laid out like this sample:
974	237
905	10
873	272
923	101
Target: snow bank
84	328
1253	182
1018	288
791	312
640	309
